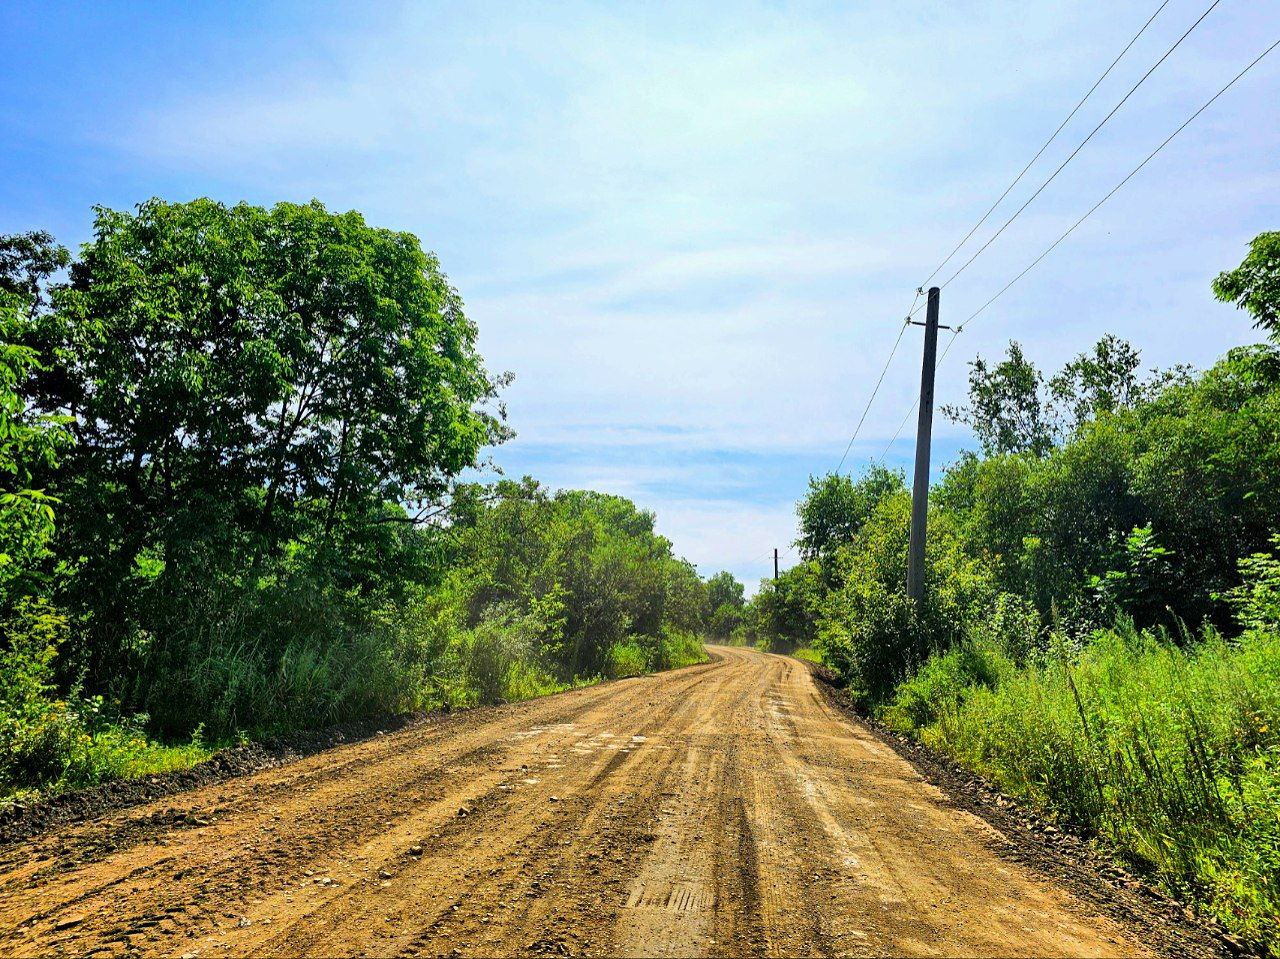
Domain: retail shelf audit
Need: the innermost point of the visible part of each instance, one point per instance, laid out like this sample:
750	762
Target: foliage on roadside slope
1172	754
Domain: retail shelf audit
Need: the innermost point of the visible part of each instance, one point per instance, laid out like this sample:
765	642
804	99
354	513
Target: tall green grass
299	656
676	648
1169	751
271	661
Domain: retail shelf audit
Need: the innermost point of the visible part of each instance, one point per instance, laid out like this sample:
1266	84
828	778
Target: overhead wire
758	558
1074	226
876	389
1074	153
914	307
1070	229
870	399
1115	189
1053	136
916	402
1093	209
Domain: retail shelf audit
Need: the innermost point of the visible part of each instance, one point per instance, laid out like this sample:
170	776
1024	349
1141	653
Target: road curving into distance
723	810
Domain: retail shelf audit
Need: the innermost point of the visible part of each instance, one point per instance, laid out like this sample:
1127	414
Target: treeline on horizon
1101	630
231	443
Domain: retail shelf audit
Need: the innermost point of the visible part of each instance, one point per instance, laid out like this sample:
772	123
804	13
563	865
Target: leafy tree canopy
1105	380
723	588
836	507
1006	408
1255	284
29	440
1011	409
237	379
786	607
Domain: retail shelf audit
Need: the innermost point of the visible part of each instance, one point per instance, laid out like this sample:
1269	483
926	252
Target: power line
757	559
1053	136
1115	189
916	402
1071	229
871	398
1081	145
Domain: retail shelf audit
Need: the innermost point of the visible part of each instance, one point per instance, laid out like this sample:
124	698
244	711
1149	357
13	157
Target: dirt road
723	809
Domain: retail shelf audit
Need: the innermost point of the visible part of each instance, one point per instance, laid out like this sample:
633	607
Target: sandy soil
725	809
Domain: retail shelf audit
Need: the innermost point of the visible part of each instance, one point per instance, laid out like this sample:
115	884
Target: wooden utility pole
775	562
924	433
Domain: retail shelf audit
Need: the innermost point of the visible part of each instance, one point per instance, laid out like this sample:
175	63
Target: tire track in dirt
213	859
543	829
723	809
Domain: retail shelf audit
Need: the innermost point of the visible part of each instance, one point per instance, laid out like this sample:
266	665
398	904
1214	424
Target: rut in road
723	809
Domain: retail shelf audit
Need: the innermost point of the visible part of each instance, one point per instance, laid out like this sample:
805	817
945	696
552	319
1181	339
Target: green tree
1105	381
1192	459
1007	408
1255	284
35	726
238	379
724	621
1206	473
1012	410
726	599
27	262
724	589
868	629
590	562
30	441
786	608
836	507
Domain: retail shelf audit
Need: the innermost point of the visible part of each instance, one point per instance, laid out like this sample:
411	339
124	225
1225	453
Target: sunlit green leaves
241	381
1254	285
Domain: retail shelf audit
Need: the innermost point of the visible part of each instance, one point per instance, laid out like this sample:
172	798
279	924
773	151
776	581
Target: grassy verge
52	746
1171	754
105	752
122	752
808	655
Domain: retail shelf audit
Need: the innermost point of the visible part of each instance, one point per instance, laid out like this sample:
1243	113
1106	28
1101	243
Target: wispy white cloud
697	229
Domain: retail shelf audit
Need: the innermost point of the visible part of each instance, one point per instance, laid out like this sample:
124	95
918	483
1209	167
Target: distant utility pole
775	562
924	433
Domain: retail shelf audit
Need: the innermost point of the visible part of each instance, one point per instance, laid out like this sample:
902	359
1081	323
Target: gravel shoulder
731	808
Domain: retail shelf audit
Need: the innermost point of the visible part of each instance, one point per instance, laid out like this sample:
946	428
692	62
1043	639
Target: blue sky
691	230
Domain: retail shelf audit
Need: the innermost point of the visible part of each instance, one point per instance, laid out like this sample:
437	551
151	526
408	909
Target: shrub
943	684
676	648
528	681
54	743
293	654
491	651
37	729
626	659
122	750
1256	601
869	631
1012	628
